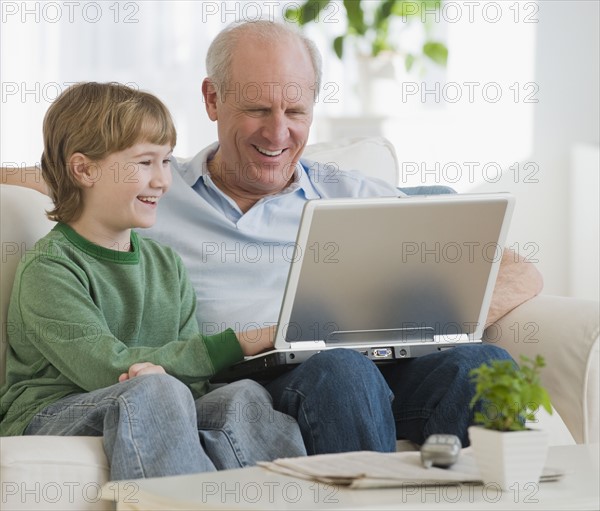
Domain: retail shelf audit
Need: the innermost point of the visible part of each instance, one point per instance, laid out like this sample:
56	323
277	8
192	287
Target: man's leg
148	424
433	392
341	403
238	426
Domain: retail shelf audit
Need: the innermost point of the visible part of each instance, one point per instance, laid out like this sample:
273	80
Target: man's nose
276	129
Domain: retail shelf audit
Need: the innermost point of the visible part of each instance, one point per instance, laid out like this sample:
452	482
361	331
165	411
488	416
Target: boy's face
127	186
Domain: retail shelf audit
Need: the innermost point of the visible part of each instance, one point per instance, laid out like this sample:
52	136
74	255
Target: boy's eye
147	162
166	161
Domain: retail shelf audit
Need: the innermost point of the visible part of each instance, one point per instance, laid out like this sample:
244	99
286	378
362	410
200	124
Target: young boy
103	338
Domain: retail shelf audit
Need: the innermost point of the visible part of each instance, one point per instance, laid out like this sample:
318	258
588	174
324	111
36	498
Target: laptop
392	278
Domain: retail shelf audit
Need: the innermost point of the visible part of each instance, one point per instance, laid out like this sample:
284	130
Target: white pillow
373	156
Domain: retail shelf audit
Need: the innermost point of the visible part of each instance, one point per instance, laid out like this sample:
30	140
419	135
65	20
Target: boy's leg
341	402
238	426
148	424
433	392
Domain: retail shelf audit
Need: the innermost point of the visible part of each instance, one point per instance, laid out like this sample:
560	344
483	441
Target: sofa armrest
565	332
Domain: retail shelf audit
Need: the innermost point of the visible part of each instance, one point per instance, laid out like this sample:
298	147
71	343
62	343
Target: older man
233	213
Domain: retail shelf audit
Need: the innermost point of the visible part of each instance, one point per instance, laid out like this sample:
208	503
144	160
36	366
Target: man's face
264	116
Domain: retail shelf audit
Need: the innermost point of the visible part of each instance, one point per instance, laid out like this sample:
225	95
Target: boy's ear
211	96
83	169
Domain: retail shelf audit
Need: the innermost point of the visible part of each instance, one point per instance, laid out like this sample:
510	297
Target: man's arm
518	281
28	177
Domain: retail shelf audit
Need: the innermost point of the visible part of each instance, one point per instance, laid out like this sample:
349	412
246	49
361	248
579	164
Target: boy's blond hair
96	119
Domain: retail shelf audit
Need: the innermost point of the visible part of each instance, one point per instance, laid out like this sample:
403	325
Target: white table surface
257	488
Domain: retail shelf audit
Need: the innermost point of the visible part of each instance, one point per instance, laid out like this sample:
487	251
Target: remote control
440	451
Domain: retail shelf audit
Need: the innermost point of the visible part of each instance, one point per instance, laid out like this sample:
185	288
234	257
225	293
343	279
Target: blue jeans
433	392
152	426
341	403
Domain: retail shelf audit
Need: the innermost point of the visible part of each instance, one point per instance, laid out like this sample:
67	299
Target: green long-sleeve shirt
80	315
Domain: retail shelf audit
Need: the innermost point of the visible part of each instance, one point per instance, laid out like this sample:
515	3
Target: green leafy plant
372	25
509	395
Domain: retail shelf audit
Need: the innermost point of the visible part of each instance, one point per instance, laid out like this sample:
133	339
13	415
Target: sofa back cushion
373	156
23	222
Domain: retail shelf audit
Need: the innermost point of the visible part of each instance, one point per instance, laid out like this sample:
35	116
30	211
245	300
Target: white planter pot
509	458
379	83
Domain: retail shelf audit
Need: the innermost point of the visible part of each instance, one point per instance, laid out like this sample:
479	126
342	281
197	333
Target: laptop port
382	353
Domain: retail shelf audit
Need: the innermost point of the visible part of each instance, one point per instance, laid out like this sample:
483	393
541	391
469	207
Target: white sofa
68	472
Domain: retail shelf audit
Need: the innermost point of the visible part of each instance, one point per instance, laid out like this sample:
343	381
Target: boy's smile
121	192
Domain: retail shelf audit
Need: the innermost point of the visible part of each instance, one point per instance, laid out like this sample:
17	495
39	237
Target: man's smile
266	152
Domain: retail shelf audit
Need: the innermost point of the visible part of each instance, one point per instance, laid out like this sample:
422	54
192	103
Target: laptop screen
394	268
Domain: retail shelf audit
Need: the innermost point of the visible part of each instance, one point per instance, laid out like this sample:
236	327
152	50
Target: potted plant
371	29
375	30
507	452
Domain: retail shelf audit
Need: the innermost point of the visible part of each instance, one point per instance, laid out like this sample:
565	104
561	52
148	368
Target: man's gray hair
220	52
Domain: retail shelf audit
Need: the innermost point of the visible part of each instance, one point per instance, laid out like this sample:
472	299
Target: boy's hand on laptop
254	342
140	369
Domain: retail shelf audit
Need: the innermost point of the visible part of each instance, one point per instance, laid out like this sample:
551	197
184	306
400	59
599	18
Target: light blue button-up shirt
238	262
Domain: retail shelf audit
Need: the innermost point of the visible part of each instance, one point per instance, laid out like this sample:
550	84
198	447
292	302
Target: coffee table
257	488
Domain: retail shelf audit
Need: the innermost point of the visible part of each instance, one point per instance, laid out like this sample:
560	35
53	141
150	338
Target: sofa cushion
53	472
373	156
23	222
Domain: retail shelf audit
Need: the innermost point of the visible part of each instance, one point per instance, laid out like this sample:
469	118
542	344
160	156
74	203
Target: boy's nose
161	176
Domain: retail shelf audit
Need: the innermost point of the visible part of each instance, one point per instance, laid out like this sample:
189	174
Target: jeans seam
228	433
303	411
131	435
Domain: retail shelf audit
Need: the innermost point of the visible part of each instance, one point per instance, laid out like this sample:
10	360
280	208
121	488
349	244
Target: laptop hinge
307	345
451	338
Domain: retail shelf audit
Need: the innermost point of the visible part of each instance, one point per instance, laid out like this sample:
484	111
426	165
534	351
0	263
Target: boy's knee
247	391
159	388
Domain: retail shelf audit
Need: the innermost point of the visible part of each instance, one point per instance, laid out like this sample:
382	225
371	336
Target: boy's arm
71	334
141	368
29	177
256	341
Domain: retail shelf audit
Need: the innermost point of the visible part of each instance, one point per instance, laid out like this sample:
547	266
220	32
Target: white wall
566	69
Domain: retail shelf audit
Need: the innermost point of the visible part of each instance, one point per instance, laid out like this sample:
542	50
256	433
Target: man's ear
83	169
211	96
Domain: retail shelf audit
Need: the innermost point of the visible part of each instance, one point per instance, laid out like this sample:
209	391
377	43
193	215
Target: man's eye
257	111
146	162
166	161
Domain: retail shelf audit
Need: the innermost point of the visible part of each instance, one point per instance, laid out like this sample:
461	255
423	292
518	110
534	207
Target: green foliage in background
376	28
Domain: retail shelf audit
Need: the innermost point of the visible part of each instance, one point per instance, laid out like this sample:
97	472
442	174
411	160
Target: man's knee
340	361
346	374
472	356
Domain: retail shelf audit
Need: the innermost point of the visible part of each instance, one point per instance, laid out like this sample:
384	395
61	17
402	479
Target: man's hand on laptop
254	342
